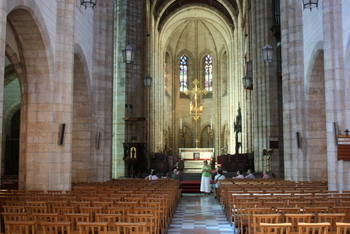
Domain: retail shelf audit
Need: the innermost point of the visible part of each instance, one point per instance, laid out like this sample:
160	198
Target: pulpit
135	159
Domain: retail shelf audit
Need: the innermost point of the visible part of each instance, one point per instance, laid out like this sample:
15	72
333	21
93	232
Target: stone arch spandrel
33	18
315	138
80	55
15	66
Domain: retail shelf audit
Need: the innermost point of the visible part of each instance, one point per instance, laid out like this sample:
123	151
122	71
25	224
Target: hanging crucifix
196	109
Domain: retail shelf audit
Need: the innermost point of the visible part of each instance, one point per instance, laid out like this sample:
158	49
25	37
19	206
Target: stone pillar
119	91
295	161
3	18
128	79
264	79
335	83
47	104
102	86
59	161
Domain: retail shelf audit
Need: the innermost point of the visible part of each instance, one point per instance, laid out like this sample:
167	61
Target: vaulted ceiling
228	9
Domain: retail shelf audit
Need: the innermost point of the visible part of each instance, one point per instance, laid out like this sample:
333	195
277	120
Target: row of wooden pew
302	228
115	206
248	203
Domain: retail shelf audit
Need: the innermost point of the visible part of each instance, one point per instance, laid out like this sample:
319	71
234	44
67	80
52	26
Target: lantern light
309	4
247	82
88	3
128	54
267	53
147	81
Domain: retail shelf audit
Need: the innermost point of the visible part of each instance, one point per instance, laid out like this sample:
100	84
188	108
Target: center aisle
197	213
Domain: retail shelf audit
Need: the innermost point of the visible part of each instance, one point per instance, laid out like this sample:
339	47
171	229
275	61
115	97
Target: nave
196	213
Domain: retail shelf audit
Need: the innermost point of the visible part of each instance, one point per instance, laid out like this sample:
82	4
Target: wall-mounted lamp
309	4
128	54
147	81
247	82
267	53
88	3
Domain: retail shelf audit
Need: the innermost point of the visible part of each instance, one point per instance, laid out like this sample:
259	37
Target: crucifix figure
196	110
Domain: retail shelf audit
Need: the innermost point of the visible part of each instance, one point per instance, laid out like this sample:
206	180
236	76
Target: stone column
3	15
335	84
295	161
47	105
264	79
102	86
59	162
128	79
119	91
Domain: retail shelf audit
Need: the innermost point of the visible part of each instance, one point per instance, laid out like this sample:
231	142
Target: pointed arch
315	136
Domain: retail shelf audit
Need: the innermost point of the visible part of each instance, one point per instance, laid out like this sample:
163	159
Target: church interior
100	98
94	90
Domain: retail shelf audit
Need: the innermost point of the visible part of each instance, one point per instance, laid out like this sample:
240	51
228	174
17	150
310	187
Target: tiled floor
199	214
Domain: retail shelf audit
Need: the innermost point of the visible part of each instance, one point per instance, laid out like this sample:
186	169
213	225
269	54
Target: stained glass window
208	73
183	73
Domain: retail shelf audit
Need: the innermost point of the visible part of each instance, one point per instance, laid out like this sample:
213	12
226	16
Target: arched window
208	73
183	73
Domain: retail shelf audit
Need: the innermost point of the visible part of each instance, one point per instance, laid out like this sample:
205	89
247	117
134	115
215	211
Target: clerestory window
183	73
208	73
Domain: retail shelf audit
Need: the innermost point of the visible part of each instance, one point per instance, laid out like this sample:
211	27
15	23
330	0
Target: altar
193	157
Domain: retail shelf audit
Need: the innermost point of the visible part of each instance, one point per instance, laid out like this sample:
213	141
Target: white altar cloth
196	153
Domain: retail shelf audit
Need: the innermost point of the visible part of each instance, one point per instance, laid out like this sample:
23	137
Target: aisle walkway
199	214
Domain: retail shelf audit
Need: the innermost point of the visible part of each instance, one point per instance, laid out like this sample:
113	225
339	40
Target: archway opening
12	146
316	122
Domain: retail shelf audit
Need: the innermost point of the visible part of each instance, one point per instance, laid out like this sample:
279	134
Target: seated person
176	174
250	175
219	176
239	175
152	176
165	175
266	175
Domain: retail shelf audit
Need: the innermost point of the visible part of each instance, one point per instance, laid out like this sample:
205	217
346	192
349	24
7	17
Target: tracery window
183	73
208	73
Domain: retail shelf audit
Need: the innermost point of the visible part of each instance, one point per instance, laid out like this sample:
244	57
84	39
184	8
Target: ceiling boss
196	108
